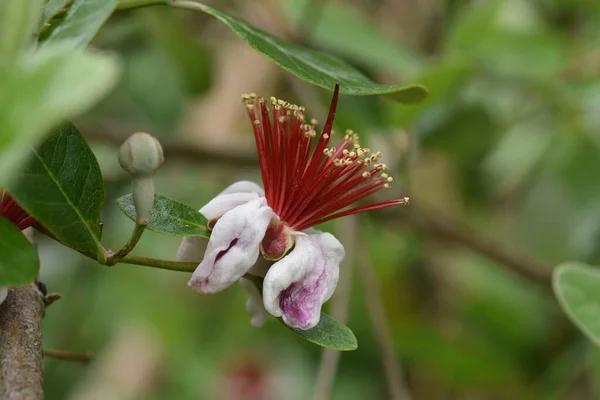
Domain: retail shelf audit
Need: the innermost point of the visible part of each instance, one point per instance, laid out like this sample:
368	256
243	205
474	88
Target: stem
161	264
114	258
68	355
21	360
129	4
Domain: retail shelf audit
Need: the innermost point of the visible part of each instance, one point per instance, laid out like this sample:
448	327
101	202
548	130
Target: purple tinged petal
296	287
233	246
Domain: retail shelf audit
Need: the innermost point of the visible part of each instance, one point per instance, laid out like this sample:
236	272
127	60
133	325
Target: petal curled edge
296	287
254	304
235	195
233	246
3	294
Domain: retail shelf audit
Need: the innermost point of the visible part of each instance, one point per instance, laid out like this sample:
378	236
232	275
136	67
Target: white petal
296	287
191	249
254	304
3	294
226	202
233	246
234	195
244	187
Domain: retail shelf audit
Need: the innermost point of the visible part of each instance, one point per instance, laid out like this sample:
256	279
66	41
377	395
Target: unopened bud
141	155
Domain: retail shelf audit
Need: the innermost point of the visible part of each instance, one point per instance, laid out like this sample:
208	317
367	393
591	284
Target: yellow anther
384	176
325	136
250	106
352	154
256	122
325	151
366	174
345	152
390	179
357	146
348	162
314	121
386	185
406	200
281	119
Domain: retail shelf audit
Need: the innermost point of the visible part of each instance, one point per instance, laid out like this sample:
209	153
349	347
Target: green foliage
52	8
81	23
40	91
330	334
61	186
169	217
19	263
577	287
18	23
316	67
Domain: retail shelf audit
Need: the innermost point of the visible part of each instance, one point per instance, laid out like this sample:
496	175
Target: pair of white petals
294	288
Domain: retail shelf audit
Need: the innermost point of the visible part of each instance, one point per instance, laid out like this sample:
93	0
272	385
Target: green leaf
18	21
355	36
40	91
19	263
82	22
169	217
318	68
577	287
52	7
329	333
61	187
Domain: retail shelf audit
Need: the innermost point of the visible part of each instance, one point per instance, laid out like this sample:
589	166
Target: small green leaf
329	333
42	90
169	217
82	22
316	67
61	187
577	287
19	263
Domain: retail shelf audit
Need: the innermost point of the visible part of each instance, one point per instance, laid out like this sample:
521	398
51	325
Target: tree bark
21	356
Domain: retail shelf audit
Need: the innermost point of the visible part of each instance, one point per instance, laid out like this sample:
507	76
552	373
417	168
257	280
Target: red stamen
308	187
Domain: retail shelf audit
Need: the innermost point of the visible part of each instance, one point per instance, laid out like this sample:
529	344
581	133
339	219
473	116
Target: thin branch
68	355
393	371
136	235
161	264
115	134
21	360
339	308
436	223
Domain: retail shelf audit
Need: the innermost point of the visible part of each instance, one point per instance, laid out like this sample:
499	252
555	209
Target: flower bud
141	155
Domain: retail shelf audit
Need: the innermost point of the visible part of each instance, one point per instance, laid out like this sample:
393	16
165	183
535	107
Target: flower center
306	182
277	242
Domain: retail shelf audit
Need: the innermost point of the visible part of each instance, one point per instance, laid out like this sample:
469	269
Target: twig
68	355
393	371
338	309
436	223
21	360
114	257
115	134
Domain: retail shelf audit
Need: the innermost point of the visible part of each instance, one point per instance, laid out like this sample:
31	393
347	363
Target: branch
438	224
21	359
115	134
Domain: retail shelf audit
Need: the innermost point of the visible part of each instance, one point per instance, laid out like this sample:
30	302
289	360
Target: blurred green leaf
83	20
351	34
19	262
62	188
169	217
328	333
577	287
52	7
18	21
318	68
42	90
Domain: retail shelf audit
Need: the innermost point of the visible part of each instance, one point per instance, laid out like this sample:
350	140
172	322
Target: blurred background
451	292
